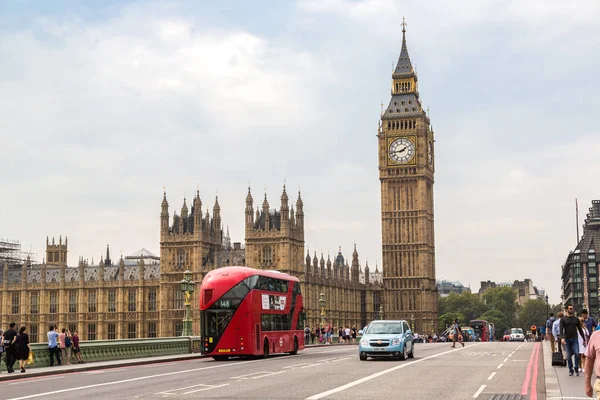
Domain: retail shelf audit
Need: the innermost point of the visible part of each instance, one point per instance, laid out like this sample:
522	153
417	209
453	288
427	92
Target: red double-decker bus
245	311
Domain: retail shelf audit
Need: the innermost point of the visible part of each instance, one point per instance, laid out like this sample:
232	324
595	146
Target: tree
467	304
499	320
534	312
504	300
446	320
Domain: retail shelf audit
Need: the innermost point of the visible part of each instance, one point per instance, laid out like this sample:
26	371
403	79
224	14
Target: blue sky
102	106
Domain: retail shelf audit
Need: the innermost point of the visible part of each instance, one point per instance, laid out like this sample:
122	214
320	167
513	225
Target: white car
516	335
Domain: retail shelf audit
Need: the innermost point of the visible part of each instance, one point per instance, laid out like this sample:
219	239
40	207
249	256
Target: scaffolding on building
12	254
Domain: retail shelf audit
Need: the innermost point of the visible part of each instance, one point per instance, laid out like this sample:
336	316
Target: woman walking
23	348
582	342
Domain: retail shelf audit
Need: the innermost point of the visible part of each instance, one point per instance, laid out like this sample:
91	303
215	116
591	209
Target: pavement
488	371
559	385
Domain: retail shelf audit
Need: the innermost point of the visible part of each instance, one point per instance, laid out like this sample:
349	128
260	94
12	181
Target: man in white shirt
556	333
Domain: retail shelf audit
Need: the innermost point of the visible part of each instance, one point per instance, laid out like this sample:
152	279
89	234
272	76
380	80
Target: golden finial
404	24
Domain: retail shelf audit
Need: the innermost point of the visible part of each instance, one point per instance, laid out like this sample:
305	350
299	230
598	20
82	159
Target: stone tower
406	173
56	254
275	239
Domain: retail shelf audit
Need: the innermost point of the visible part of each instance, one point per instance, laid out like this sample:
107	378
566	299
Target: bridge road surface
480	370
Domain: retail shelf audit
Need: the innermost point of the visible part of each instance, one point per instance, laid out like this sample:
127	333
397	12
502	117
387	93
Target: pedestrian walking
569	327
65	346
353	334
457	331
312	336
549	333
590	322
23	348
306	335
592	361
582	342
53	348
76	349
10	337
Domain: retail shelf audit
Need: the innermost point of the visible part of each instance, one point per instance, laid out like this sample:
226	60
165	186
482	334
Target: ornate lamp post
322	305
187	287
381	311
412	322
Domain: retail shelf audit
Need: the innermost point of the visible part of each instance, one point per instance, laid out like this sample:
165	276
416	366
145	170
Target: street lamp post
381	311
412	322
547	308
187	287
322	305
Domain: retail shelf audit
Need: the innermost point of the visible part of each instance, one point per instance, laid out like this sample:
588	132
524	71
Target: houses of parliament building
139	296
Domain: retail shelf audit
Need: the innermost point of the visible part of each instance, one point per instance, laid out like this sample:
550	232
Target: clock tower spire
406	172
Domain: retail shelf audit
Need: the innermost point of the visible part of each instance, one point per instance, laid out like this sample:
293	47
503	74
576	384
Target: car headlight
395	342
364	342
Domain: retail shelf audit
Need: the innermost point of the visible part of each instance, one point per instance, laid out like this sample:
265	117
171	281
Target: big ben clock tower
406	172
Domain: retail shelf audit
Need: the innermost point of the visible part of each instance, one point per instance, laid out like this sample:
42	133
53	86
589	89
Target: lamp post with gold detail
322	306
187	287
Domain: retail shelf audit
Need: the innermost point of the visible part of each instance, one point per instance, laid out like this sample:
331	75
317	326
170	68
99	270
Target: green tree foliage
504	300
468	304
445	320
499	320
532	313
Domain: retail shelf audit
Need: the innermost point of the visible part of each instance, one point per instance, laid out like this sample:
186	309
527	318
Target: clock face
402	150
430	152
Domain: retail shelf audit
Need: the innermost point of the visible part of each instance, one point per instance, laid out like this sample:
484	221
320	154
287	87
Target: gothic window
50	259
92	301
53	302
178	299
132	300
72	327
91	332
15	302
267	255
33	333
152	300
131	330
112	301
178	328
112	331
180	258
34	306
151	329
72	301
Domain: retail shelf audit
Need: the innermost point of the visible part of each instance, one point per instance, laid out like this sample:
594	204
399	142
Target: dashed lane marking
208	388
491	376
204	387
478	392
500	366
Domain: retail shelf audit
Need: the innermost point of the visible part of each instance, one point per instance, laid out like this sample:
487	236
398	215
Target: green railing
106	350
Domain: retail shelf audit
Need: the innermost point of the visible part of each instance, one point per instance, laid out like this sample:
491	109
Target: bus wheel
295	347
266	349
221	358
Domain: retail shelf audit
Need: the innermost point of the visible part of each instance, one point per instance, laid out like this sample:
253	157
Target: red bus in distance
250	312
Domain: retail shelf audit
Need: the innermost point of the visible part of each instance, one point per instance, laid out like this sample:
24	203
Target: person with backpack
65	345
306	335
549	335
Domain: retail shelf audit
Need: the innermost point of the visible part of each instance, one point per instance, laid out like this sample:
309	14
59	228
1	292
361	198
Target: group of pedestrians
60	345
16	346
324	334
572	334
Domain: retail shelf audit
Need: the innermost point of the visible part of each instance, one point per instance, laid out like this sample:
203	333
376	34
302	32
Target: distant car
516	335
387	338
506	338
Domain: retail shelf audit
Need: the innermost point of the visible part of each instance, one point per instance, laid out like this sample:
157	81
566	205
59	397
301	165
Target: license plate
379	348
224	350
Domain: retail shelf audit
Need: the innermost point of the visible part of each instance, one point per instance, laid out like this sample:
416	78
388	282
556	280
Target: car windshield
517	330
391	328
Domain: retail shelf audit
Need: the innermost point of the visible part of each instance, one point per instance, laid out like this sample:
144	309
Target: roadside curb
553	391
61	370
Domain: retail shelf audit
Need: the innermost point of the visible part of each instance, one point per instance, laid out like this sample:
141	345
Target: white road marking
269	374
491	376
140	378
477	393
380	373
35	380
248	376
505	360
500	366
172	391
297	365
208	388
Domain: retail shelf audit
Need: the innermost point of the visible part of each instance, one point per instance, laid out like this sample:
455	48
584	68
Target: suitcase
557	359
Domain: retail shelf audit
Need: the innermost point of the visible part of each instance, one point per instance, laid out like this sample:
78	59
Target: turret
265	210
107	260
355	266
322	262
292	218
347	271
197	214
216	222
307	261
329	275
207	224
367	273
285	209
164	217
316	265
299	212
249	210
257	220
121	270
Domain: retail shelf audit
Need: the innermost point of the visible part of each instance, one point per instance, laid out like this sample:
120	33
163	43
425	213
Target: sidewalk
559	385
65	369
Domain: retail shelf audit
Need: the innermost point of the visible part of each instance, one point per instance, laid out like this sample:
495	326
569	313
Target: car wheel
412	351
402	355
363	357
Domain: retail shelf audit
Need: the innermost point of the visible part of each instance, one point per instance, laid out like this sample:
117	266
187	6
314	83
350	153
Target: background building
524	290
580	271
444	288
